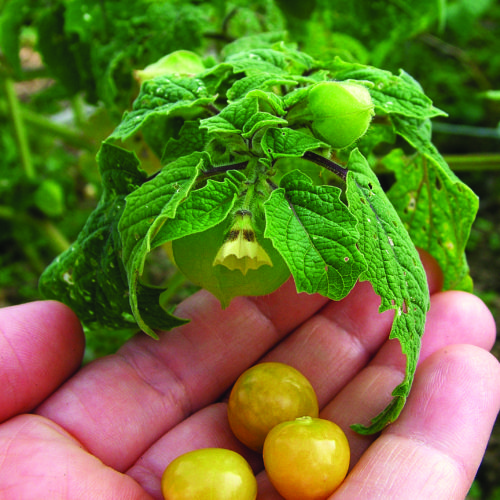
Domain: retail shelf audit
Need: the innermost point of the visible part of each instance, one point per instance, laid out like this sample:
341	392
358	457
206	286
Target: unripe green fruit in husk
341	112
230	263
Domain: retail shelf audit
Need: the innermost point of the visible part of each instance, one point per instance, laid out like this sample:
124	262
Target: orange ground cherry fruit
265	395
307	458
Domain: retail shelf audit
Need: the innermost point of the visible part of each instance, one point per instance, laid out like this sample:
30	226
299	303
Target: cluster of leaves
92	48
235	113
89	50
457	41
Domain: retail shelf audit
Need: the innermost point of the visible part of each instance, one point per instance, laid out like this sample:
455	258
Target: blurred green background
67	75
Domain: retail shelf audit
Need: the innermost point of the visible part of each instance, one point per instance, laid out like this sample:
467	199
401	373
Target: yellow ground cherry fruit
265	395
209	474
307	458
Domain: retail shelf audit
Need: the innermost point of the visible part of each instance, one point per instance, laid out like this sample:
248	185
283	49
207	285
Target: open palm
108	430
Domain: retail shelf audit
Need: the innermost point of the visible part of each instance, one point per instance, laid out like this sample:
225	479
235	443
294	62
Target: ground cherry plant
267	170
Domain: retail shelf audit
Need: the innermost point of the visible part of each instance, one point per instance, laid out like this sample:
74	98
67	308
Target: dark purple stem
326	163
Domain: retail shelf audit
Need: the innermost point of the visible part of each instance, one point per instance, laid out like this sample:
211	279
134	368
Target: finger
207	428
454	317
120	405
41	344
434	449
40	460
457	318
435	277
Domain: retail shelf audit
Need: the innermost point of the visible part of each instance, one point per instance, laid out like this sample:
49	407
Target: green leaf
89	277
214	77
438	209
268	100
252	42
121	37
261	120
315	234
288	143
232	119
241	117
296	96
262	81
49	198
191	138
203	209
263	60
394	270
146	210
179	62
163	98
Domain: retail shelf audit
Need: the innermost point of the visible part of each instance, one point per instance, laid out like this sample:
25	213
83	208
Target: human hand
110	430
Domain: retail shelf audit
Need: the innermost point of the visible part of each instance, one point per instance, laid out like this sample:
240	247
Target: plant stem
462	163
32	255
474	162
326	163
174	283
225	168
57	240
19	128
70	136
467	130
78	110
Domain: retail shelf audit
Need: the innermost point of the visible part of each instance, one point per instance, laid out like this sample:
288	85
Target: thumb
41	344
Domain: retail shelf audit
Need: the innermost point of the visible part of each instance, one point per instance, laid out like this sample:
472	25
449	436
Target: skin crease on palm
108	430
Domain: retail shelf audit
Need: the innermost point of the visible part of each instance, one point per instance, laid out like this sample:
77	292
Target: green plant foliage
233	180
218	147
93	46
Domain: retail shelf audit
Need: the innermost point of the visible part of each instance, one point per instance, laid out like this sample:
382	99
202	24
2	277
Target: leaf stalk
326	163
